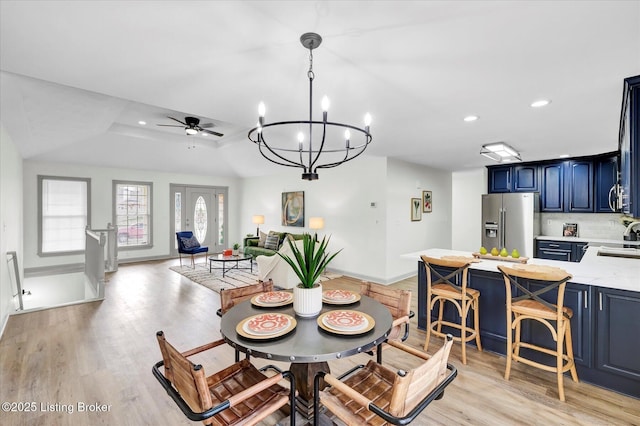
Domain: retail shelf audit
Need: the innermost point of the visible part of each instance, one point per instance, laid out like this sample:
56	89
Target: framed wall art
416	211
427	201
293	208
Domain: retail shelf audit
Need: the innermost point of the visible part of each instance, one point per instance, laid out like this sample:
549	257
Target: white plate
266	324
345	321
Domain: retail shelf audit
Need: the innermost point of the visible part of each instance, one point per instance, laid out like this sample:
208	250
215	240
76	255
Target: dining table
309	345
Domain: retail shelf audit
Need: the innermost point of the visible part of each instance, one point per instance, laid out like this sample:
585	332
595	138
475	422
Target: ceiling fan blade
211	132
207	125
175	119
169	125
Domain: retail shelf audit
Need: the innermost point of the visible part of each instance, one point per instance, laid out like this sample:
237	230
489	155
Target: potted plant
308	264
236	249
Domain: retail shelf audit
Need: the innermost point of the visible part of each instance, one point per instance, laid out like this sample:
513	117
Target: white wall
101	206
372	238
11	222
466	209
342	196
406	181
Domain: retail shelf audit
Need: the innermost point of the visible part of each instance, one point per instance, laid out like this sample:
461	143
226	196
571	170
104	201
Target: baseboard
53	270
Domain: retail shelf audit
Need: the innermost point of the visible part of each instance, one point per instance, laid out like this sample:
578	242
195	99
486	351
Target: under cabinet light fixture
500	152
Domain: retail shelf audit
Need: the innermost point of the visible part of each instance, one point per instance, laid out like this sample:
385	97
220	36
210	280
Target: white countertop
601	271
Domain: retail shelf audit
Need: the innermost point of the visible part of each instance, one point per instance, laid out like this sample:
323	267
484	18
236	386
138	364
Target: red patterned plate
274	297
345	320
266	324
338	296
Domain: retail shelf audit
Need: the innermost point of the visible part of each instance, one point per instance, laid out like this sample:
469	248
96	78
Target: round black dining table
308	347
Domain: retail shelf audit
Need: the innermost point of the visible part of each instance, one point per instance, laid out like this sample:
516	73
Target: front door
202	210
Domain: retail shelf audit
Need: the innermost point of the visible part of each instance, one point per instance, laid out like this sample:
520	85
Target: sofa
252	248
275	268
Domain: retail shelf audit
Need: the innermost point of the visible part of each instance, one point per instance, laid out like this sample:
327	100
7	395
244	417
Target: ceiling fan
192	126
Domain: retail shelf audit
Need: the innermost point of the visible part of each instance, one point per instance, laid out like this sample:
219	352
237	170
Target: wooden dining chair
232	296
528	305
376	395
238	394
398	302
443	288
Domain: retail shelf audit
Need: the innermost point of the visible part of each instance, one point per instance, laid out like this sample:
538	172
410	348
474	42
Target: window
63	209
132	213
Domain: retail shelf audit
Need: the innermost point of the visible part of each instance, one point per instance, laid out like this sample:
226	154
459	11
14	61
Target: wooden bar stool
529	306
443	289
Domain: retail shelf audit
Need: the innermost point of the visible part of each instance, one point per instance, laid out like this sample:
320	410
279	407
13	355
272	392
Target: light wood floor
101	353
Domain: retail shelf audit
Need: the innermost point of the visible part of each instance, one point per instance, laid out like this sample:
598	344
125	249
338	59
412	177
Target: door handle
586	296
600	299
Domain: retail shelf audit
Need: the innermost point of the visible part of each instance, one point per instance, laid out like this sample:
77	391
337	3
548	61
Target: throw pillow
191	242
262	240
272	242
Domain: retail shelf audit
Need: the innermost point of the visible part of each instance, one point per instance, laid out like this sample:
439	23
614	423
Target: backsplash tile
596	225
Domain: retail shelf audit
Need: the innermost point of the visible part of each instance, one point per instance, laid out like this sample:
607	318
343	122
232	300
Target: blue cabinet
567	186
564	251
552	187
579	189
499	179
629	145
520	178
606	177
617	343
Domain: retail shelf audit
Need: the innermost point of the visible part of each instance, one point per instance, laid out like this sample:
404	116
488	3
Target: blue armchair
189	244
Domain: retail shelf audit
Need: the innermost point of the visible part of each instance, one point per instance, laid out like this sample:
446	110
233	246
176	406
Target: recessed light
471	118
564	156
142	123
540	103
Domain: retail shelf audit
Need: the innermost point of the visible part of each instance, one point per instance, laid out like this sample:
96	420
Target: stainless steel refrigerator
511	220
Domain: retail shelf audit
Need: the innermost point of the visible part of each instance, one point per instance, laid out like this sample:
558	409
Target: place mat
266	326
322	323
272	299
340	297
500	258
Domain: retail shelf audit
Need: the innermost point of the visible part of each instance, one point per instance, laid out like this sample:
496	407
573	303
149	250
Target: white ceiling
77	76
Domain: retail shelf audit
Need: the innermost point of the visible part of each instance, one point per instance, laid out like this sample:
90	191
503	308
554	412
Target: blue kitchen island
604	295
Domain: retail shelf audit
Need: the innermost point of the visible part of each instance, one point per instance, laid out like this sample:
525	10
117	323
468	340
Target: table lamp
258	220
316	223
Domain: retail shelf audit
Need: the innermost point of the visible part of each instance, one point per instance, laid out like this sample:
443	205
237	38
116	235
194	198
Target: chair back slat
397	301
231	297
420	381
188	379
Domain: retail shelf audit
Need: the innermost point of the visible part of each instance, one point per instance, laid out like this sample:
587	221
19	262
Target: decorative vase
307	302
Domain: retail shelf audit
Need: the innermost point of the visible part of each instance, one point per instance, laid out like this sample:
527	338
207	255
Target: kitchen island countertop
600	271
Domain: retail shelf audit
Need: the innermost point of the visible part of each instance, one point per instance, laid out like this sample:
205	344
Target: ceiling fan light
191	131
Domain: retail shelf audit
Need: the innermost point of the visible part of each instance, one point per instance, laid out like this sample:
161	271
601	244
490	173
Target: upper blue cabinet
629	144
606	179
516	178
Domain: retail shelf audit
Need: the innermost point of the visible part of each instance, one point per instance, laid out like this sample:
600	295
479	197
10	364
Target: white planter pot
307	302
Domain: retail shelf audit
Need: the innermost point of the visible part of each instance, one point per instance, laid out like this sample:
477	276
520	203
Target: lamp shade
258	219
316	223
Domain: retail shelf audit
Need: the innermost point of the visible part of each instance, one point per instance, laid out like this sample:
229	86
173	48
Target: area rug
232	279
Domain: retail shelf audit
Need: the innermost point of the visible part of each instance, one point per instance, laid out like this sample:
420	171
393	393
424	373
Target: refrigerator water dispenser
491	229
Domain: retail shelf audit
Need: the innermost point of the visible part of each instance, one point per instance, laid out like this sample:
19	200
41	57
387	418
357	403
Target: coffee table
228	262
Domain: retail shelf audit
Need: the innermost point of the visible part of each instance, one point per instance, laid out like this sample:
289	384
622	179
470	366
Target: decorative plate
266	326
272	298
340	297
346	322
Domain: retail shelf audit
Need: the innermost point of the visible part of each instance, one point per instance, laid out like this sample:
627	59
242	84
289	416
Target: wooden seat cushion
233	380
375	383
537	309
449	292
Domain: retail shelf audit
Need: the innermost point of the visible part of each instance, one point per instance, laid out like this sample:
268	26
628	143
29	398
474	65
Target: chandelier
334	148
